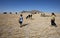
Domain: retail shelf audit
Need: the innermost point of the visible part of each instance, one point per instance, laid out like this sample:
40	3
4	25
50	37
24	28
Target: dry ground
37	27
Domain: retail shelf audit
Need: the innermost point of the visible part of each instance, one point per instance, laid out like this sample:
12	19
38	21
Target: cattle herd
29	16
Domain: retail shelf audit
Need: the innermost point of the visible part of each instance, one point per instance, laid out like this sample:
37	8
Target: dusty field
37	27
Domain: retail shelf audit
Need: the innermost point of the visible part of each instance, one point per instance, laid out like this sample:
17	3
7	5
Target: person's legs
51	22
20	22
55	23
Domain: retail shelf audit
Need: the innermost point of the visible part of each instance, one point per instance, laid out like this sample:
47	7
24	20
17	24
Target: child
53	19
21	19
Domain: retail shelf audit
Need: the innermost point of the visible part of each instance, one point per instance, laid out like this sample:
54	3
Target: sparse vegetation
16	12
43	14
4	12
10	12
38	27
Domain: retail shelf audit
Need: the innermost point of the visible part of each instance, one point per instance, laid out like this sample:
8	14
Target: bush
10	12
16	12
43	14
4	12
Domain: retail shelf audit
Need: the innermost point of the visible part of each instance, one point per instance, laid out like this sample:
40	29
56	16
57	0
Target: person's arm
55	15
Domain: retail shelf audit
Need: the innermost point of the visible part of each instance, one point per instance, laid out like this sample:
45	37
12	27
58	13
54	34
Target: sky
20	5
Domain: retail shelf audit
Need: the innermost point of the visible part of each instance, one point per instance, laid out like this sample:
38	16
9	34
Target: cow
29	16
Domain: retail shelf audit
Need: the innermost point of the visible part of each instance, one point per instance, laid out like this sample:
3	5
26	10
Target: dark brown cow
29	16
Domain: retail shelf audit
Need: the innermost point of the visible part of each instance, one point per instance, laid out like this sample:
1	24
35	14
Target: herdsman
21	19
53	19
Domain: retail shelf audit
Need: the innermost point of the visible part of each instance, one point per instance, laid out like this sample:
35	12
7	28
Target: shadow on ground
24	25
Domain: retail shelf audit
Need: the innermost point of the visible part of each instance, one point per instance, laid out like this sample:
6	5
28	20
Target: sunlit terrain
37	27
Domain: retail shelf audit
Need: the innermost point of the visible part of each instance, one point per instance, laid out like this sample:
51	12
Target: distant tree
10	12
35	12
4	12
16	12
43	14
23	11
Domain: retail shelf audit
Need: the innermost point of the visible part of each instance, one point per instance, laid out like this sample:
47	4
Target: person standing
21	19
53	19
